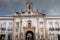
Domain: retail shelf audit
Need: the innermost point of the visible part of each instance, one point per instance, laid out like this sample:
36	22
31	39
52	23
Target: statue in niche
29	23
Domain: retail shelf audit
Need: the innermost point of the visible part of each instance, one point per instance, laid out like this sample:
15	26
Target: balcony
57	29
54	29
3	29
51	29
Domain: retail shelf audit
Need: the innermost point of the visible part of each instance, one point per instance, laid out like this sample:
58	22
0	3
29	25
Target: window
51	36
58	37
17	26
10	26
41	25
57	26
9	36
3	29
42	37
51	26
16	36
3	26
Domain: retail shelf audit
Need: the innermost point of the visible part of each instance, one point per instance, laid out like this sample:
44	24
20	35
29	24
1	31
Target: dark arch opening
29	35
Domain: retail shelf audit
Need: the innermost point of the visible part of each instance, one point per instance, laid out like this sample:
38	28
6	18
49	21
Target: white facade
52	23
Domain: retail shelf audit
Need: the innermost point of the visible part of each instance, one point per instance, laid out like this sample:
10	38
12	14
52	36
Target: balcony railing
51	29
54	29
57	29
3	29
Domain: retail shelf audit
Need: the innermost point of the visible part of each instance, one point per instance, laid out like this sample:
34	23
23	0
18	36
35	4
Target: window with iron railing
10	26
57	28
41	25
51	28
17	26
3	26
3	29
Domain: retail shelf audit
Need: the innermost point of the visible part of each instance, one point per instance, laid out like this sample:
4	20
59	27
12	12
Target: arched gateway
29	35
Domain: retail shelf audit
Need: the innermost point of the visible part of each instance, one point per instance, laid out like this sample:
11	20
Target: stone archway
29	35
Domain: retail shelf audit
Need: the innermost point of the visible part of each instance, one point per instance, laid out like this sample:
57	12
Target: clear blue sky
8	7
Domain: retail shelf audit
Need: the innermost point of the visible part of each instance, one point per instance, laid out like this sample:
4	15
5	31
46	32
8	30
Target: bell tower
29	6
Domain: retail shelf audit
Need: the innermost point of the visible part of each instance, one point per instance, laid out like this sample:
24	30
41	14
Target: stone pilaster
46	30
20	27
38	29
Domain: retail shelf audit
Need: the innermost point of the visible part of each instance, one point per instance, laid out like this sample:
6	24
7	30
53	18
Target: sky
9	7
